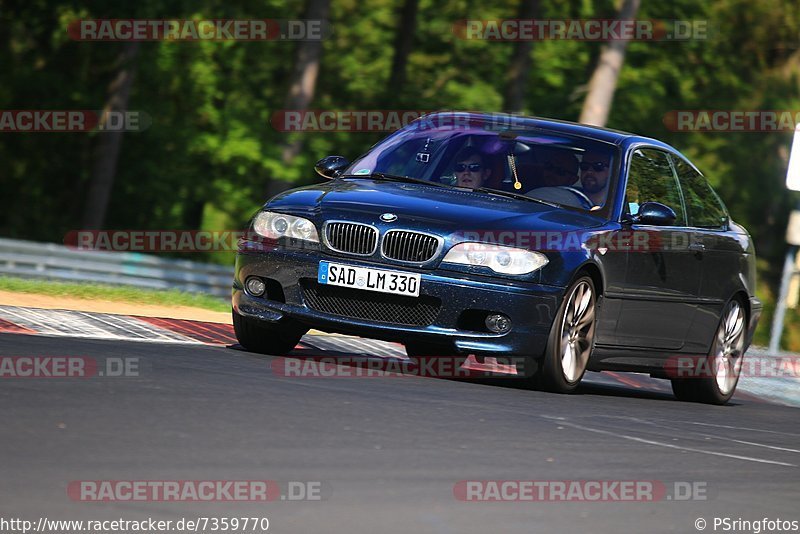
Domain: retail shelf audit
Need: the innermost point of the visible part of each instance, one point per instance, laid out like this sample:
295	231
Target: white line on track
741	428
700	433
564	422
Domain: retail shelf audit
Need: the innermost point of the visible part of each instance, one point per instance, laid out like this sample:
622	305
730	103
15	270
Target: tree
109	142
597	105
303	80
403	44
520	65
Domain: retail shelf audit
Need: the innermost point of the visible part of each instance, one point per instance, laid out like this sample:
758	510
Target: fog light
255	286
498	323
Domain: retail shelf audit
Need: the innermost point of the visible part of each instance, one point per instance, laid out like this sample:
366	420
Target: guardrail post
780	304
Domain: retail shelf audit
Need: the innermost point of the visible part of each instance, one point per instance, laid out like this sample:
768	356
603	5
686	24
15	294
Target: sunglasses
473	167
561	171
597	166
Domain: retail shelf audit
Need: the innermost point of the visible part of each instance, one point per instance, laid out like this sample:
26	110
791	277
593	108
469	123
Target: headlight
274	225
500	259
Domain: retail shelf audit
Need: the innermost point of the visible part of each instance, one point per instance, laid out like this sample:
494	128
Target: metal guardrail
29	259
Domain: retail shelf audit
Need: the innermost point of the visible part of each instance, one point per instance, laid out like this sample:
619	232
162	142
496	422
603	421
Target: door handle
697	247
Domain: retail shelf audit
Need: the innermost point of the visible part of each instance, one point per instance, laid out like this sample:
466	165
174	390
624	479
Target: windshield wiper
408	179
519	196
395	178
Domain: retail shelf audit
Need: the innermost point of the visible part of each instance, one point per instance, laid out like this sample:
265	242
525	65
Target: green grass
88	291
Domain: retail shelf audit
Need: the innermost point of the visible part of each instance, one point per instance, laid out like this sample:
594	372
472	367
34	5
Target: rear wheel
256	336
571	339
723	363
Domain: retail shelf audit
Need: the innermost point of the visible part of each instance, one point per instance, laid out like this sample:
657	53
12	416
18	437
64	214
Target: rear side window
650	179
703	206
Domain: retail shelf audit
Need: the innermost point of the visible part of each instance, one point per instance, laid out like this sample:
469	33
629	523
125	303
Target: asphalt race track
388	453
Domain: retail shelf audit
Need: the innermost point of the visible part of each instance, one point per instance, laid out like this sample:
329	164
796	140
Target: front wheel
571	339
723	363
257	336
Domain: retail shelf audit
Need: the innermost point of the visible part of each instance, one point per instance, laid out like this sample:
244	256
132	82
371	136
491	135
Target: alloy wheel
577	331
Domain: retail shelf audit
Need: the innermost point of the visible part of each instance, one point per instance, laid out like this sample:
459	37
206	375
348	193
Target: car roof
607	135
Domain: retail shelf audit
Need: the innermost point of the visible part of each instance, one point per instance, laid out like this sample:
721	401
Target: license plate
336	274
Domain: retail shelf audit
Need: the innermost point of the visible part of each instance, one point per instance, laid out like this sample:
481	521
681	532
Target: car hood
423	207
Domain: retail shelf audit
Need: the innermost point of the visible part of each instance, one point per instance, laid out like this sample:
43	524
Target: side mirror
331	166
656	214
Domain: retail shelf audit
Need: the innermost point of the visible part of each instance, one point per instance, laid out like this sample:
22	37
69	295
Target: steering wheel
588	204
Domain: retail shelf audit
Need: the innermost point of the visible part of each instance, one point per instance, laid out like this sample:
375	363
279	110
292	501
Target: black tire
684	389
727	350
551	375
256	336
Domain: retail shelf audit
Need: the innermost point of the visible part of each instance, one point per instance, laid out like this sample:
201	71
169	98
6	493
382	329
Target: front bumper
531	307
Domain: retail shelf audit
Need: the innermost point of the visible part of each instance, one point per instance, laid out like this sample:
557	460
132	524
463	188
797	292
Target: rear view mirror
656	214
331	166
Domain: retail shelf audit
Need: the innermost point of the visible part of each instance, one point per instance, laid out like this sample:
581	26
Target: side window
703	206
650	179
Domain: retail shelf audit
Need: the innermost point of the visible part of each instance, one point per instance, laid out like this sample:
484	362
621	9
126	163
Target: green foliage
211	152
167	297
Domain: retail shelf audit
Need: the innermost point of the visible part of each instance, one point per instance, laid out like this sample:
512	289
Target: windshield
569	171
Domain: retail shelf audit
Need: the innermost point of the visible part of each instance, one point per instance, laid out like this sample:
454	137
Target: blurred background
211	155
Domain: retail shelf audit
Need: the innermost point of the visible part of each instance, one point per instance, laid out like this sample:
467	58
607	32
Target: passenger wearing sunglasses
471	169
594	176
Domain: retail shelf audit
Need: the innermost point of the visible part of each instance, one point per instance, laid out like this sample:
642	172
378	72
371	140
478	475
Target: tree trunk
109	143
303	81
519	69
403	44
603	83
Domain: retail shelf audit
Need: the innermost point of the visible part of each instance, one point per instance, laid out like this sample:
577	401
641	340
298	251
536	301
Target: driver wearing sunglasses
560	169
471	169
595	169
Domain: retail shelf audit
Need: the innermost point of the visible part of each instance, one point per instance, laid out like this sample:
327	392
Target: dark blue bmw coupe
568	247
